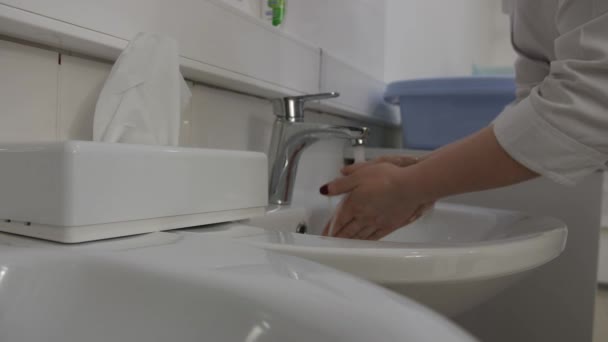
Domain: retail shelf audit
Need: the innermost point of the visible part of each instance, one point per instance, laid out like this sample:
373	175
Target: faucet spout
291	136
289	140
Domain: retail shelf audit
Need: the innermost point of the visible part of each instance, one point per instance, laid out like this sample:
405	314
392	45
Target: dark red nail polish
324	190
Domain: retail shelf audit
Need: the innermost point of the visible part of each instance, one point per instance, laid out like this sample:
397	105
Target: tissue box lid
77	183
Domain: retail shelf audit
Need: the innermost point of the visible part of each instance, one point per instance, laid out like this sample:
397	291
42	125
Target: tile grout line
321	60
58	99
188	127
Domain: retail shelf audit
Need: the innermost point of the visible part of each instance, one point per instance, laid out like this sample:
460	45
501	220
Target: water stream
359	156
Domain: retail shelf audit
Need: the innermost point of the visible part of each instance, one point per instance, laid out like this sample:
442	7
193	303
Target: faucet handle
314	97
292	107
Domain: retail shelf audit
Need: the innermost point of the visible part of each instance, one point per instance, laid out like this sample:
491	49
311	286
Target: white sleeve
559	127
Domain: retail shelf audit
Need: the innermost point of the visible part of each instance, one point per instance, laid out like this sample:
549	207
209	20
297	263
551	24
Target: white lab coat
558	125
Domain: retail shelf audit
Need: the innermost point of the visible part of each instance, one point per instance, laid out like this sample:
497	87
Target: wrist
417	184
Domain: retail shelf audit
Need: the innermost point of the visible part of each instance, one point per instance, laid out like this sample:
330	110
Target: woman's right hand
397	160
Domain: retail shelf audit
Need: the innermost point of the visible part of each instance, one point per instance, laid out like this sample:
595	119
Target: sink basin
452	259
195	288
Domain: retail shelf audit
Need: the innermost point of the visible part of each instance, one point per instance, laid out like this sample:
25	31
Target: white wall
501	51
225	46
433	38
351	30
602	274
400	39
249	6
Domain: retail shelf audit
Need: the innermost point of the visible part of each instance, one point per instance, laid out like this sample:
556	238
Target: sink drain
301	228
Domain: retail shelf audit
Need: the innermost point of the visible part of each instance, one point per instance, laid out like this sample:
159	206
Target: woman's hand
380	198
397	160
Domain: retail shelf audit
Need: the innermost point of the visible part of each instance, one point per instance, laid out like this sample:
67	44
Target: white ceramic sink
451	260
191	287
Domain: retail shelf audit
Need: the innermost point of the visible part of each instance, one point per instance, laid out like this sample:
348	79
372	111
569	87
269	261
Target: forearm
472	164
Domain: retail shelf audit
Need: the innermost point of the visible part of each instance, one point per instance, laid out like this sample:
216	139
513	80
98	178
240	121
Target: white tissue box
78	191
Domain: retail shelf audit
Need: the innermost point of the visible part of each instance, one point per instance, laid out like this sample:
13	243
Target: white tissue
144	96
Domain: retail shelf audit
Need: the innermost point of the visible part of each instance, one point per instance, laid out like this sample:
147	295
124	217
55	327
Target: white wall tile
352	30
185	131
244	51
251	7
602	268
428	38
357	90
226	120
81	81
28	93
501	50
247	6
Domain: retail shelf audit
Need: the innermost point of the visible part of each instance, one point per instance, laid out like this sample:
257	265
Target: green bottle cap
278	11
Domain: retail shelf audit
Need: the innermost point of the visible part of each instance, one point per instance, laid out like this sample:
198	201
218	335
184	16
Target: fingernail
324	190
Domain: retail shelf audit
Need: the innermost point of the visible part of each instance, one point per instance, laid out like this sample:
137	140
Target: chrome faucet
291	136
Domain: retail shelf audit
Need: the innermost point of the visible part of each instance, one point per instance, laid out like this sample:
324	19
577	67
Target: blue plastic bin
436	112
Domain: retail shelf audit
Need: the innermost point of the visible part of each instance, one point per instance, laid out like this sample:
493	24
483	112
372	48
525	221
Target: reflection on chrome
3	271
257	331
